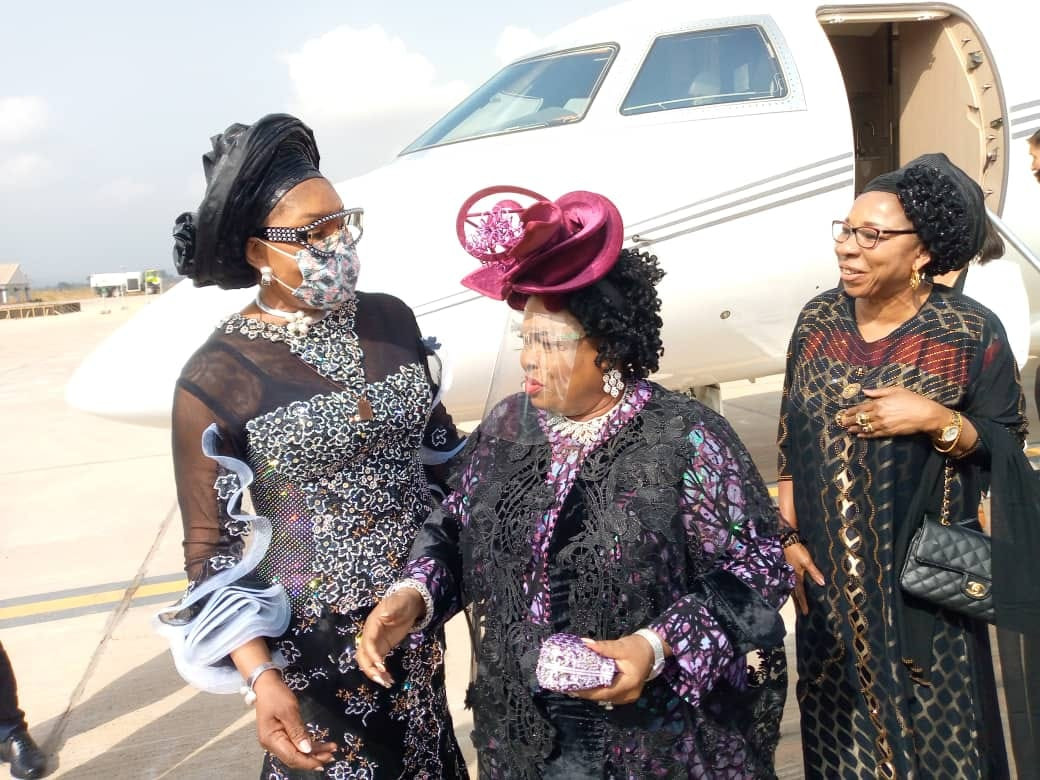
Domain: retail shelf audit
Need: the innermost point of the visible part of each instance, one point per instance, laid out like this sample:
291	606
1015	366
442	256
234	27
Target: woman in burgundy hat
612	541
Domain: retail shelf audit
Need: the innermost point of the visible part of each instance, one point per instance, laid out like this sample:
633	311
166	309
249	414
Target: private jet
728	142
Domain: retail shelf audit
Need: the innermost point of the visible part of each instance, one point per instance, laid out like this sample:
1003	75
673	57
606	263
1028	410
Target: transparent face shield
536	369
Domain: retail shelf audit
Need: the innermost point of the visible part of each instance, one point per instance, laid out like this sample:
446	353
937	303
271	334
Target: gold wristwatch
950	434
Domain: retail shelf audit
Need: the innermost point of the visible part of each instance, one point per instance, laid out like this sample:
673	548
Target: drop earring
266	276
915	279
612	384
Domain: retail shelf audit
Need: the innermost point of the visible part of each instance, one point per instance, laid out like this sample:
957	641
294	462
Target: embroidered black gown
866	713
331	425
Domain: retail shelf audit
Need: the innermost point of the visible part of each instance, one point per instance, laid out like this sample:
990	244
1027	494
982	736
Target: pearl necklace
297	323
583	432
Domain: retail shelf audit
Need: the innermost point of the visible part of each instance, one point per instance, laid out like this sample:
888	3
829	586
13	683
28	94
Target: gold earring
915	279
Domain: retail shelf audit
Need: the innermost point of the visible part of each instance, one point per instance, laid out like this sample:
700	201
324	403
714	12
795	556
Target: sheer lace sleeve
212	538
730	523
224	606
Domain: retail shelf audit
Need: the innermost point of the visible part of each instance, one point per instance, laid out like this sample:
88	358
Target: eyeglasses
315	235
548	342
866	237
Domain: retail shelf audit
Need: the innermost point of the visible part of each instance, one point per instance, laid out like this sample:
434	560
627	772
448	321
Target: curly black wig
622	312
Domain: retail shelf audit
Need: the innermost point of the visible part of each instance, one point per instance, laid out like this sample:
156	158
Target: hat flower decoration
548	248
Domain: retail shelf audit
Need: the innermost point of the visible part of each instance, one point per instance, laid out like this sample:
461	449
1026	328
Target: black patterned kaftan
865	712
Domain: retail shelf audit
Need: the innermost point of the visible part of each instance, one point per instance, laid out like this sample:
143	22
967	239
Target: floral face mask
330	282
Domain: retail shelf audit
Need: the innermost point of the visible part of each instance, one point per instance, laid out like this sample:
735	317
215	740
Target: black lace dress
332	426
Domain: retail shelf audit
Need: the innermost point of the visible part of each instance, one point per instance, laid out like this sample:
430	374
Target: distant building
12	282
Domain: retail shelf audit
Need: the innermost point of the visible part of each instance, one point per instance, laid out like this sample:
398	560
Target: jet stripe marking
759	183
740	202
1019	120
776	204
476	297
1030	104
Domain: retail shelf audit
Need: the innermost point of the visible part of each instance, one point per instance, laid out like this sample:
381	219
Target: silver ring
607	705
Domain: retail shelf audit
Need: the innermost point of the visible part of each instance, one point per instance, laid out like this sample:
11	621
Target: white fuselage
735	199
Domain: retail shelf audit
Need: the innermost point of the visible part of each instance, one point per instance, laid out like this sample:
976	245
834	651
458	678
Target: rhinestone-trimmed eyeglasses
315	234
866	237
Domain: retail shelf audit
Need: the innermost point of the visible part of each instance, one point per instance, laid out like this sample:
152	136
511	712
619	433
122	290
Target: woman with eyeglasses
319	400
890	377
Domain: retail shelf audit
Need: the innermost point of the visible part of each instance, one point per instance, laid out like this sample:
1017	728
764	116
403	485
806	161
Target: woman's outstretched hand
390	621
280	729
634	658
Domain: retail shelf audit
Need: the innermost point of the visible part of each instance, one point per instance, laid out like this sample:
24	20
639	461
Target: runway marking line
81	601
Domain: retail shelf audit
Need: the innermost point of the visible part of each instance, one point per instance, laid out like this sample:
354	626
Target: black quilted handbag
949	564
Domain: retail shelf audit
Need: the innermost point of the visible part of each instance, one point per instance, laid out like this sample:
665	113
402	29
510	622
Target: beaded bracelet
423	592
657	646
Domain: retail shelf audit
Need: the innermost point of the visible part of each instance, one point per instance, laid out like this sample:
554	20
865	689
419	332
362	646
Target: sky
107	107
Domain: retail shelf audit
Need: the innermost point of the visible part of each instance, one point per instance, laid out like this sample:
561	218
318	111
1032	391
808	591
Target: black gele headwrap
249	170
945	205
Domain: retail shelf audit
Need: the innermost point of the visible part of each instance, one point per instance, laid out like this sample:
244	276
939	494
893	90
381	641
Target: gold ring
867	428
862	419
839	418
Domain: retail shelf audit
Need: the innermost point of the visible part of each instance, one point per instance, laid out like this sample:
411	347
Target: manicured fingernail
381	667
588	641
305	746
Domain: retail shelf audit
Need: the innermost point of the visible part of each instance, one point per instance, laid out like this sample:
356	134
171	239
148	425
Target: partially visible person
17	747
1034	152
600	505
997	284
889	379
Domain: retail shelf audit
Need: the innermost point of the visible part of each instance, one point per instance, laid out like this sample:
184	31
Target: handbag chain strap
944	514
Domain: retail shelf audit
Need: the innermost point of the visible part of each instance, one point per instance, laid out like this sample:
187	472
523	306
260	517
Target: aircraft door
919	81
950	101
866	58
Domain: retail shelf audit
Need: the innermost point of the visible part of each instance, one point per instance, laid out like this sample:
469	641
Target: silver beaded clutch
566	664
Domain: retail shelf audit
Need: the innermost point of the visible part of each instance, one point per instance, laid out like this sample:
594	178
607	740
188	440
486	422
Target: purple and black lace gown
331	426
663	521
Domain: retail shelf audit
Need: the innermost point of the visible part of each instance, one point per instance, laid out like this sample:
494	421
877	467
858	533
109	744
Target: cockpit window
542	91
706	67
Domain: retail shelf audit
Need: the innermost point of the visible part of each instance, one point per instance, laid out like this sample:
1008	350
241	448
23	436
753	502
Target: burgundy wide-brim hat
550	248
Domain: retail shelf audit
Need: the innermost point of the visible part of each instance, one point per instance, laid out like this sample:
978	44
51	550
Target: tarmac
90	544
